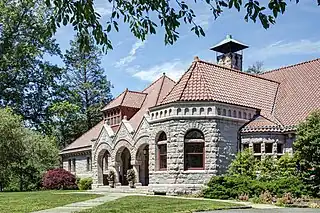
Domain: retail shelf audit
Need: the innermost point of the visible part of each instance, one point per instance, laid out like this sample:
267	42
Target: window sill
160	172
194	171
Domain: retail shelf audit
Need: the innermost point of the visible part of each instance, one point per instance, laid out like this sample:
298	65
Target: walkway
74	207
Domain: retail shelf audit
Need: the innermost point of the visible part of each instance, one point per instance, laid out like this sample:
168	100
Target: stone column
135	166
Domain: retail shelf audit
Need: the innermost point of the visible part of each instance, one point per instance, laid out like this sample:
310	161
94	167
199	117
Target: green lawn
154	204
34	201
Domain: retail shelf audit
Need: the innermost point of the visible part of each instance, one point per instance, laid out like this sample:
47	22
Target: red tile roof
85	139
149	97
299	91
210	82
156	92
127	98
262	124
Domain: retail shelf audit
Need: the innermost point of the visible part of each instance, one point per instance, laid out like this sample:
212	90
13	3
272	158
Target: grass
35	201
154	204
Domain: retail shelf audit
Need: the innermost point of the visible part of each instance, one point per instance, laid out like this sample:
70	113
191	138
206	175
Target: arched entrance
143	159
104	158
125	165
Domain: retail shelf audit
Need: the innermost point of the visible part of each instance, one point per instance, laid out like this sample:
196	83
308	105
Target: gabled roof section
128	99
156	92
85	139
210	82
299	91
262	124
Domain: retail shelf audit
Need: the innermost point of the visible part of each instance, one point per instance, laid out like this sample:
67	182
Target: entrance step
123	189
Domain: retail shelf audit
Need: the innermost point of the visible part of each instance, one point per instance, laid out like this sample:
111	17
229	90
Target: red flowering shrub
59	179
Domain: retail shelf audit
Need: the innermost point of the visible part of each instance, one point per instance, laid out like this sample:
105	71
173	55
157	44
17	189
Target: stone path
79	206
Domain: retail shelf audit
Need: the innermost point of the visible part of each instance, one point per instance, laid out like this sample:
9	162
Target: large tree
84	91
28	81
256	68
144	16
25	155
307	150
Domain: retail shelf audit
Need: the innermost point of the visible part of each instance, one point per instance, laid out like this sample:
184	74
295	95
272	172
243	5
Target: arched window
162	151
194	150
219	111
224	112
229	113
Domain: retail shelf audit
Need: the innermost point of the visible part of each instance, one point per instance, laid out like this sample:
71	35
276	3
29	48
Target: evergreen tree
85	91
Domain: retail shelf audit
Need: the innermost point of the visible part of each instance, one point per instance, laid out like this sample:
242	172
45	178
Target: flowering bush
59	179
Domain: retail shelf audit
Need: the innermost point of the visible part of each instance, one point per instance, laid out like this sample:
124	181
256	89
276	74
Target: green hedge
251	177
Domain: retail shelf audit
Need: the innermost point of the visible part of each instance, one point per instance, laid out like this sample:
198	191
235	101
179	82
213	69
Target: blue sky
134	64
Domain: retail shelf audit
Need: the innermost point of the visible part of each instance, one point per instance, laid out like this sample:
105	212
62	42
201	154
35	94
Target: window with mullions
194	150
162	151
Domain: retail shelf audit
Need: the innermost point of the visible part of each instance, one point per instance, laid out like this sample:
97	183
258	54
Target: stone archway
123	160
142	157
103	162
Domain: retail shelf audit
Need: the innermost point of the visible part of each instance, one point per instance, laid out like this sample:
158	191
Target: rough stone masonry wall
268	137
220	149
81	165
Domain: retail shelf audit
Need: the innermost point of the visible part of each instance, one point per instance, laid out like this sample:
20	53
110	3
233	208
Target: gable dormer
126	104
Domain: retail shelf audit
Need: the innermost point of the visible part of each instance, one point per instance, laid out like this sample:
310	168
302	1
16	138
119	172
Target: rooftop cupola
231	53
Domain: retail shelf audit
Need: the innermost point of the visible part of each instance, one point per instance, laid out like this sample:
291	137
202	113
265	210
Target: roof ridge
238	71
154	82
203	76
113	100
138	92
160	89
124	96
290	66
193	67
176	83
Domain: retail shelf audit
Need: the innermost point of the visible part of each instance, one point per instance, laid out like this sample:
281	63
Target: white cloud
132	54
204	19
104	9
173	69
287	48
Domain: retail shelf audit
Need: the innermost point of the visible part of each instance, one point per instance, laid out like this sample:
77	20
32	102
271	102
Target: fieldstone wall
81	165
220	148
268	137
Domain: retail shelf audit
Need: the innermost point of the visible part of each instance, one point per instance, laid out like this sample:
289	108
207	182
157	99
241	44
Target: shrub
85	183
244	197
266	197
111	176
285	199
131	175
59	179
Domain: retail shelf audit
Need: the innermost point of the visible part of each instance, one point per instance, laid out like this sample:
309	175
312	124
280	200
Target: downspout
245	124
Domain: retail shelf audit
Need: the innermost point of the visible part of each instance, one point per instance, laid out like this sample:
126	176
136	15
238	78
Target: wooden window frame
188	141
74	165
89	164
69	165
186	168
161	140
162	143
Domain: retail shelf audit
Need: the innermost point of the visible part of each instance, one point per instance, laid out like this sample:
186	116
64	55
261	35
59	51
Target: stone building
176	135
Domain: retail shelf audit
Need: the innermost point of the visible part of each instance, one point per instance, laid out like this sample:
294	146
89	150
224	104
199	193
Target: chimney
231	53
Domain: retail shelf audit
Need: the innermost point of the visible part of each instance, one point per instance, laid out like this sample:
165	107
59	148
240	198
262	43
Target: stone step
122	189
